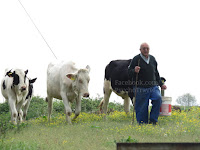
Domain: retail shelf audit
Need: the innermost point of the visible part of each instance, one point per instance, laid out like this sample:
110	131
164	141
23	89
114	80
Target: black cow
118	81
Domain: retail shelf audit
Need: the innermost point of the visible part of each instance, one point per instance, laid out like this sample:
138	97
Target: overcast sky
96	32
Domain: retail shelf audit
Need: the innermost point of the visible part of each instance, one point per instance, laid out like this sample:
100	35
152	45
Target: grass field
91	131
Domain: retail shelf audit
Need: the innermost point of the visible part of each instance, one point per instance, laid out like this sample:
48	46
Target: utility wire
37	28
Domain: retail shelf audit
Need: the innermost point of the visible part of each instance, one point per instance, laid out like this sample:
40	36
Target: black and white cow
28	97
15	88
118	81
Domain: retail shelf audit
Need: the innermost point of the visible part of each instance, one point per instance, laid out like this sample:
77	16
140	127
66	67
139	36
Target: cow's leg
13	111
20	116
107	93
20	112
78	107
127	104
68	110
50	106
26	106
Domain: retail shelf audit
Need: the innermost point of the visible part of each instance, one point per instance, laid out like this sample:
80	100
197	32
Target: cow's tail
46	99
106	77
107	72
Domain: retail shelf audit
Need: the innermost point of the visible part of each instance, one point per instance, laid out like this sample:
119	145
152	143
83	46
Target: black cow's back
117	73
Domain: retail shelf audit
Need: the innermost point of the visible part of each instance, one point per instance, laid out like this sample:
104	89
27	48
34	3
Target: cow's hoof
15	123
69	123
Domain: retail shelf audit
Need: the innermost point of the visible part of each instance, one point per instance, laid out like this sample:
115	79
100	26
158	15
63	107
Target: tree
186	100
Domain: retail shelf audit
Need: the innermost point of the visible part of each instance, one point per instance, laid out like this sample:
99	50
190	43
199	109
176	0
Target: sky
93	33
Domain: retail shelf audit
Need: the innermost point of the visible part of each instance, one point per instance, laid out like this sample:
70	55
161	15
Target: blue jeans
142	102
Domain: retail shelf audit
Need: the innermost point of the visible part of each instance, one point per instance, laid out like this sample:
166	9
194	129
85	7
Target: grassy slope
90	131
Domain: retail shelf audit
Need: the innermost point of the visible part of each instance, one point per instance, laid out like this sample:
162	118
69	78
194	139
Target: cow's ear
71	76
33	80
88	68
9	73
26	71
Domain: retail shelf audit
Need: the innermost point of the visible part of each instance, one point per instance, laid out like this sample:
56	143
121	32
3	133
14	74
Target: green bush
116	106
37	108
90	105
58	106
4	108
87	105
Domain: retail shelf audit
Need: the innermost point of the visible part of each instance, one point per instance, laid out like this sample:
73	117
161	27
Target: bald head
144	49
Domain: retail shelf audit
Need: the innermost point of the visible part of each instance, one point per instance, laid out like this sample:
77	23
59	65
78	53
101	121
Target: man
144	66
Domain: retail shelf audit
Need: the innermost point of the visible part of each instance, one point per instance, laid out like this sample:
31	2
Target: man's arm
158	78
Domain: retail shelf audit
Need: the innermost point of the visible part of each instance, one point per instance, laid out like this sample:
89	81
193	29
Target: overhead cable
37	28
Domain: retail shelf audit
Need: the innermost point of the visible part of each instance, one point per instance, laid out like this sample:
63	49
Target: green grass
91	131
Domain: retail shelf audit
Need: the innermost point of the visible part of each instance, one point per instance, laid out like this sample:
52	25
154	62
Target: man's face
144	49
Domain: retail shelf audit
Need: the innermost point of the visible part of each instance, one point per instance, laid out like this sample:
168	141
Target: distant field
91	131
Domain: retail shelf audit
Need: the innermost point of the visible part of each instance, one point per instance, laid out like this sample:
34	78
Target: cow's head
80	81
20	80
30	87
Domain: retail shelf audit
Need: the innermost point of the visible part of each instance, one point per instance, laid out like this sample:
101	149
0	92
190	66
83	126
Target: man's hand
137	69
163	87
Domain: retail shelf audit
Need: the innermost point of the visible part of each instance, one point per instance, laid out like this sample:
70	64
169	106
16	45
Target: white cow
14	88
67	83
